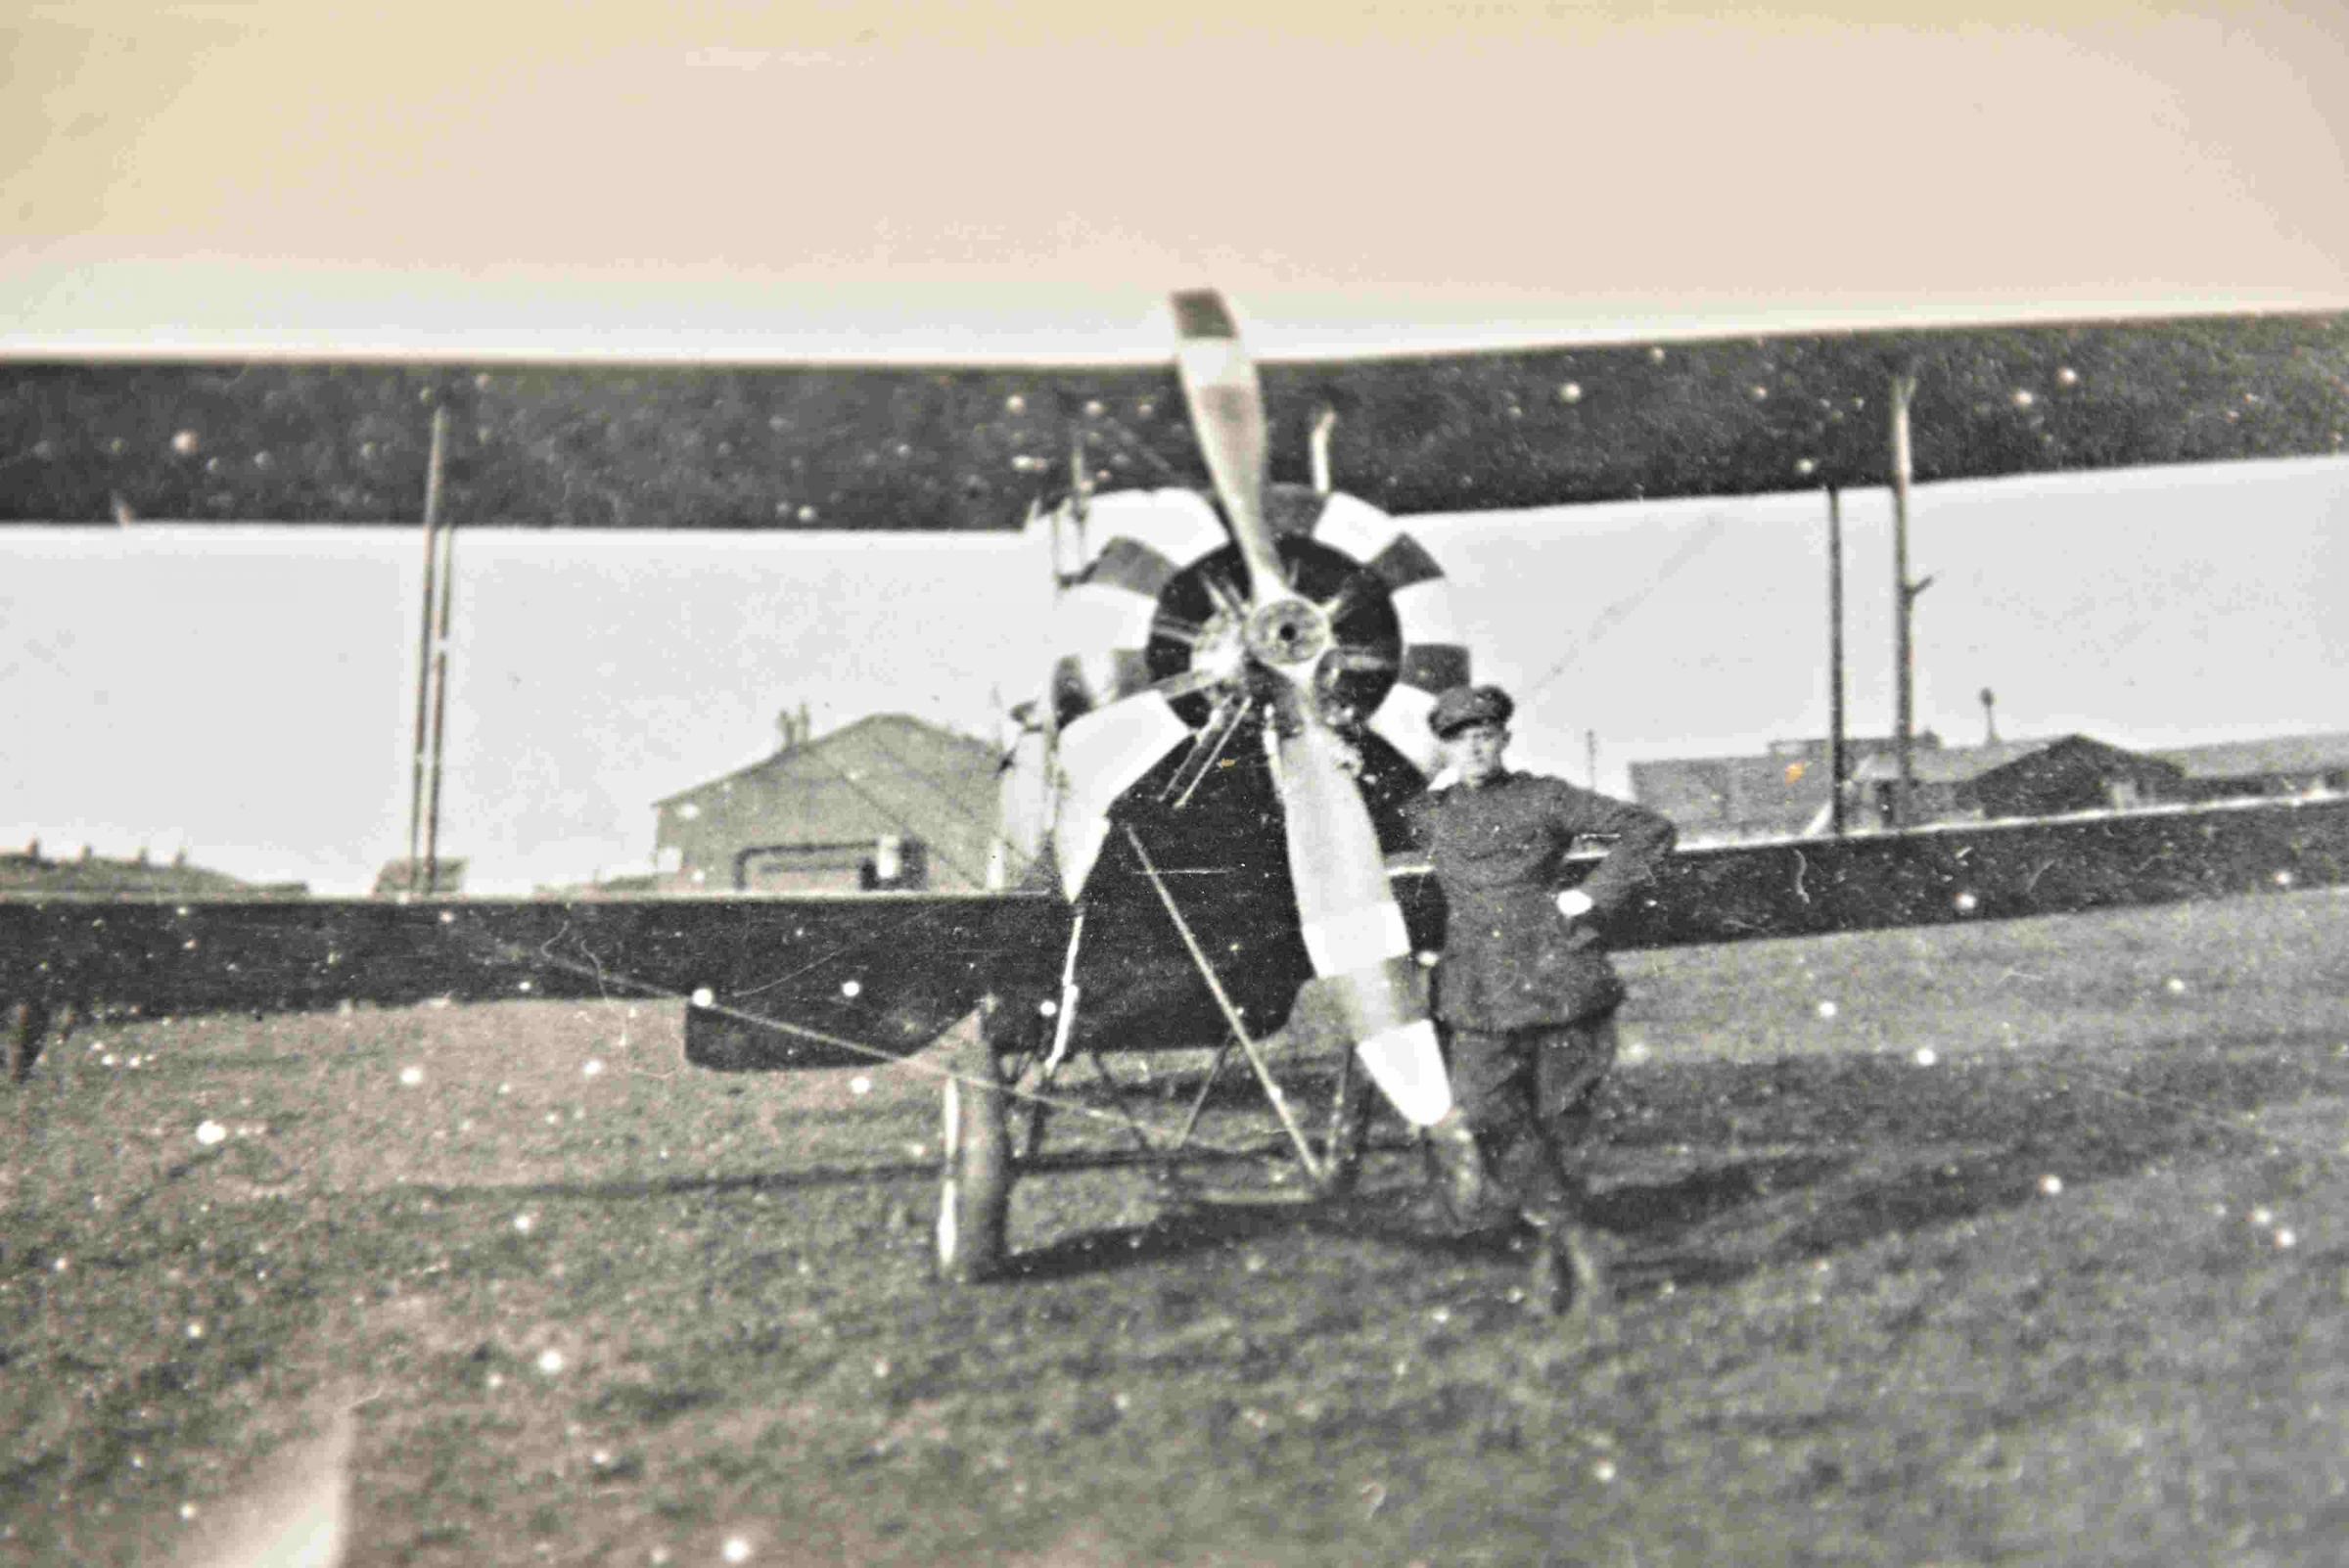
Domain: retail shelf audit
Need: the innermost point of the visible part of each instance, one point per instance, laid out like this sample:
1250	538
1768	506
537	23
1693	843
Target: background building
2019	778
887	802
2280	765
29	873
1783	792
444	878
1786	791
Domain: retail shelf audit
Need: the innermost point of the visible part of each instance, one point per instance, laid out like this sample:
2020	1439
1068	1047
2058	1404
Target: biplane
1250	635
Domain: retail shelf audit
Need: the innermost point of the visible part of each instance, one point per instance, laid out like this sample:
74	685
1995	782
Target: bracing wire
1614	615
610	979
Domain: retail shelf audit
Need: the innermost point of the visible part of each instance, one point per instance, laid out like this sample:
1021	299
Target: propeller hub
1289	635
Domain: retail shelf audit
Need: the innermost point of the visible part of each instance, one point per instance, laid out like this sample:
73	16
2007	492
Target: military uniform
1528	995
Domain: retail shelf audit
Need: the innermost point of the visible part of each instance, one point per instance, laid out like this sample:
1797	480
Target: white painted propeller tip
1407	1066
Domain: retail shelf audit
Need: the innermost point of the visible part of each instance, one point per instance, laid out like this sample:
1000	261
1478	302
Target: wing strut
425	733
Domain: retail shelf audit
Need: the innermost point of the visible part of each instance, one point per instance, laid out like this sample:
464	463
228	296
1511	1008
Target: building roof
2269	755
1778	753
30	873
1961	765
820	759
1953	765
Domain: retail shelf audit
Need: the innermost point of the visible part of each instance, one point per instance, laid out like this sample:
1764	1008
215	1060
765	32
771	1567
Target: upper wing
870	447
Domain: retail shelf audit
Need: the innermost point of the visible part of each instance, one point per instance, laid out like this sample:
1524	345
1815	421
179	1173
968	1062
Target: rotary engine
1161	653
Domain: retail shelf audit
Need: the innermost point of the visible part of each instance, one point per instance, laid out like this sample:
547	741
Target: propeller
1364	975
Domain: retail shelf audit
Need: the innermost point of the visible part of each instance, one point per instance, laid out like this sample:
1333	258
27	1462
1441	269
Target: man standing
1524	990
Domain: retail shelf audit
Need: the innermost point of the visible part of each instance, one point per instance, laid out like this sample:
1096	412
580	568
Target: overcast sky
921	180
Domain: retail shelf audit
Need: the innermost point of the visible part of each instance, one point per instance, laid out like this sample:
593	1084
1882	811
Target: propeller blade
1348	916
1353	931
1347	661
1383	1010
1228	415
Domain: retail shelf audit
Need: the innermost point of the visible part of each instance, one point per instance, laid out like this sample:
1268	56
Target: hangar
887	802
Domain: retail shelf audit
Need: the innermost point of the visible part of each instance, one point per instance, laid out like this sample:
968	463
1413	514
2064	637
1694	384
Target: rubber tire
26	1023
975	1191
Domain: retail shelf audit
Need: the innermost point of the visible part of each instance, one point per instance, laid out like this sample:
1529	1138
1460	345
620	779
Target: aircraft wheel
26	1023
975	1196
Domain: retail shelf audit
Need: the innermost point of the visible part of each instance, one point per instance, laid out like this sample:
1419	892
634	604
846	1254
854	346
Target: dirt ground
2013	1243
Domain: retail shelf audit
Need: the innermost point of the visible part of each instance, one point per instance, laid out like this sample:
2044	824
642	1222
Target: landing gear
1014	1054
28	1023
975	1200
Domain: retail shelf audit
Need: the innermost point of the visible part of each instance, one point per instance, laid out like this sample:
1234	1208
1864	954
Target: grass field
2033	1251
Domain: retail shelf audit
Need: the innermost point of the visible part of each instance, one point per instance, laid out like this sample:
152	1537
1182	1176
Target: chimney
794	726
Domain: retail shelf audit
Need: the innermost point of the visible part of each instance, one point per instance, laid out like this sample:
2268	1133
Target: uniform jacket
1511	959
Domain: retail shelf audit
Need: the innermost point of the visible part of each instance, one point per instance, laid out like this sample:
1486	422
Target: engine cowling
1154	636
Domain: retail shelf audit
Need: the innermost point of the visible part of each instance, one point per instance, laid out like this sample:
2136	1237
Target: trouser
1530	1097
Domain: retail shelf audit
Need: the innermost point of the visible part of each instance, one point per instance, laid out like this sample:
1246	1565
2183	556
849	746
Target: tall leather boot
1569	1266
1569	1273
